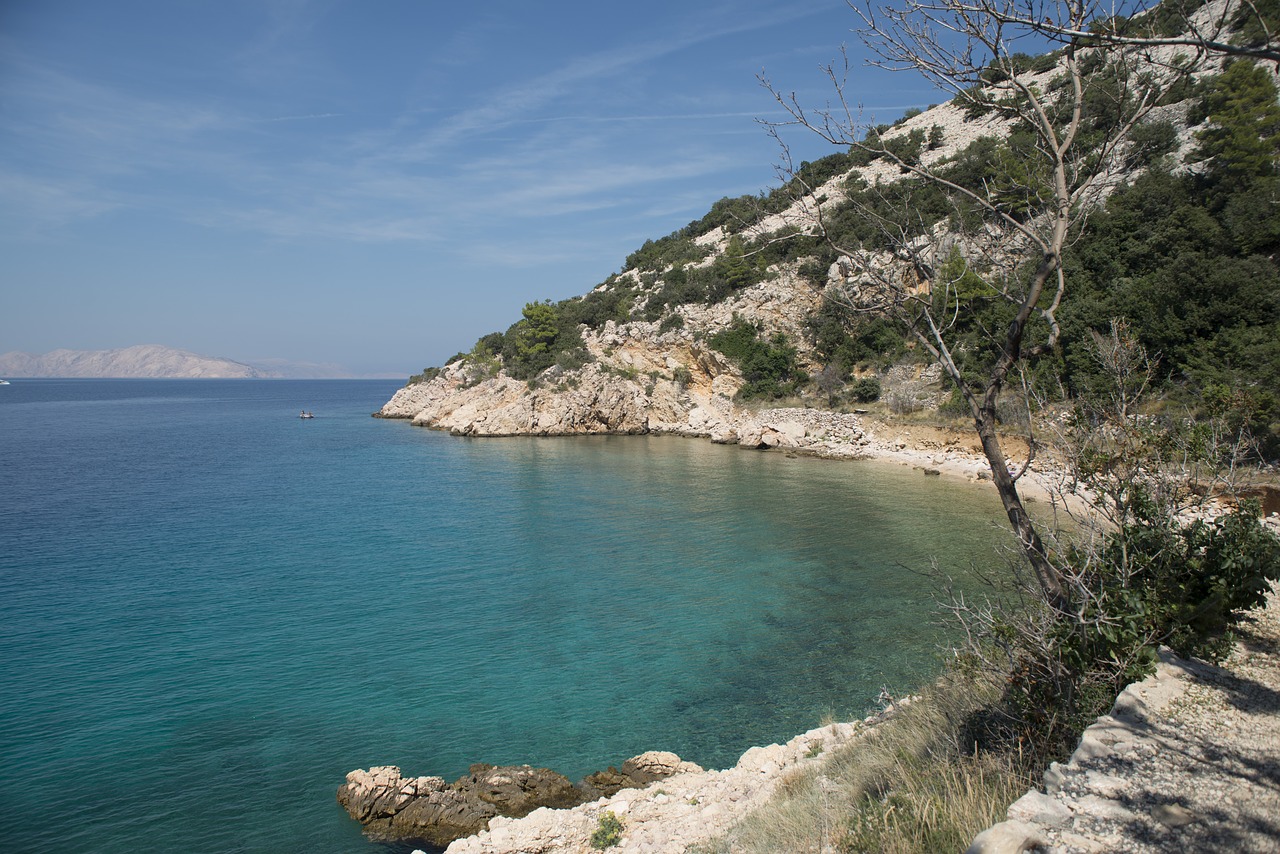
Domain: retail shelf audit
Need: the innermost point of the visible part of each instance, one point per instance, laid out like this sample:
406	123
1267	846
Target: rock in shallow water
393	807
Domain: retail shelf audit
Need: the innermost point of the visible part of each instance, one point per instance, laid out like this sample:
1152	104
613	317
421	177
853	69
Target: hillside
759	300
1077	256
145	361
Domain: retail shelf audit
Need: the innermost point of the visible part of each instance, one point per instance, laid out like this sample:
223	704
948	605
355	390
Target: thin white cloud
516	102
304	118
33	204
653	117
92	129
101	148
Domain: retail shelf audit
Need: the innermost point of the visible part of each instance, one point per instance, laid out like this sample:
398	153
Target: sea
211	609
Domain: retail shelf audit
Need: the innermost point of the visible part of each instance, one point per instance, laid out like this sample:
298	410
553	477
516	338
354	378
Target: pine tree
1242	141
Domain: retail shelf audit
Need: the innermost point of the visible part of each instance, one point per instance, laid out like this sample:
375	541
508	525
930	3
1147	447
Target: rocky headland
605	404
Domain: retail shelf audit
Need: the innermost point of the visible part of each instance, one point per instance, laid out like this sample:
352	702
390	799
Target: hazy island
144	361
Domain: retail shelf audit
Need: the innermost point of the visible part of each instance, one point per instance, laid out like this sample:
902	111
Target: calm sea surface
211	610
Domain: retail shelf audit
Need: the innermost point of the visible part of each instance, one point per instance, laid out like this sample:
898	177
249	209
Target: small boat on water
306	414
4	382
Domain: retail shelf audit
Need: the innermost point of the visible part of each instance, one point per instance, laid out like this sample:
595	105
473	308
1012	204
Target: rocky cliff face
639	380
604	403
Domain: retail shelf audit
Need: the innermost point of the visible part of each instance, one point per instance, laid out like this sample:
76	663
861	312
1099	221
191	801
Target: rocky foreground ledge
392	807
1187	760
664	804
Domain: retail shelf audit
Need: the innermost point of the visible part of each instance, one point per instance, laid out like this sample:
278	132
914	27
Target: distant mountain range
145	361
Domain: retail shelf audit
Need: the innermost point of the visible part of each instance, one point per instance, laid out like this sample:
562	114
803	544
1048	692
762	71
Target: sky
374	184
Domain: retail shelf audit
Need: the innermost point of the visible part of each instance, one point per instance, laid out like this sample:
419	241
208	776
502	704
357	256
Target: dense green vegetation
847	341
1190	260
769	367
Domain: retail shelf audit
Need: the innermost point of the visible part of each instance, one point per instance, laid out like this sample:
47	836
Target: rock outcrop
392	807
637	772
639	379
602	402
673	813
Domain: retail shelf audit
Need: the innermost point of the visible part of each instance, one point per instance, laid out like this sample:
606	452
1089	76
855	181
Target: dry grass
915	784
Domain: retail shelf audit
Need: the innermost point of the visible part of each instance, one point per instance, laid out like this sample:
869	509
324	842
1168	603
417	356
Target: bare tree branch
969	47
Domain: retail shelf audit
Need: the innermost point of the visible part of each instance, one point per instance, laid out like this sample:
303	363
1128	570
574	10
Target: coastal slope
751	303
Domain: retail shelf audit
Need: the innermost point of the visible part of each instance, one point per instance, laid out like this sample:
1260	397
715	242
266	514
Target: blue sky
372	184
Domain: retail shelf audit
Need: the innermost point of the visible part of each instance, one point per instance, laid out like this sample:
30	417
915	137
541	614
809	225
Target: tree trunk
1032	546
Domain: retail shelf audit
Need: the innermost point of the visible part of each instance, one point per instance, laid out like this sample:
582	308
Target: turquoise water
211	610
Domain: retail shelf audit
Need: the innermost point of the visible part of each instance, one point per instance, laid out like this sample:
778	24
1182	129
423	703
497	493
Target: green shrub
936	137
1196	580
845	339
490	344
1151	583
427	375
865	390
608	831
547	334
732	213
1002	68
1255	23
769	368
733	271
1242	141
680	286
675	249
975	102
573	359
600	306
814	272
908	147
670	322
1151	140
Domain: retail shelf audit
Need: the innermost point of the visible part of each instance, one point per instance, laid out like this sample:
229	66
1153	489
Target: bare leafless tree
1016	252
1239	28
